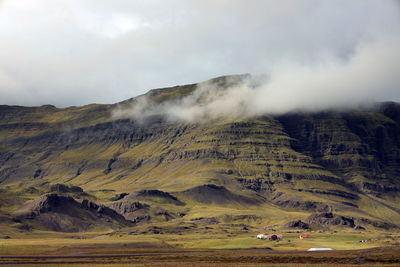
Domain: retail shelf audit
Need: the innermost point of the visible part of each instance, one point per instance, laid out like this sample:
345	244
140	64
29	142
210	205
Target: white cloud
370	74
76	52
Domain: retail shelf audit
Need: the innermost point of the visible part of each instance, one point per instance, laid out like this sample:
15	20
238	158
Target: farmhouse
262	236
304	236
275	237
270	237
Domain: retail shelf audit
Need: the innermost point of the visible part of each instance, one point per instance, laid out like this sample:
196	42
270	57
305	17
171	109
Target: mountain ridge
347	161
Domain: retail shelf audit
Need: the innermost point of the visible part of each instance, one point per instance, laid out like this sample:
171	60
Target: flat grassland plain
199	249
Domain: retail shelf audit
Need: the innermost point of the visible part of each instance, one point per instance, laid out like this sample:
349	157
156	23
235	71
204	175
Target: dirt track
80	256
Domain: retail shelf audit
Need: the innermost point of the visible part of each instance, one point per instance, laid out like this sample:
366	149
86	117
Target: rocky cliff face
360	146
65	214
345	161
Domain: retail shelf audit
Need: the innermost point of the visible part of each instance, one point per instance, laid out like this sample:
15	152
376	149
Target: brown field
124	255
212	249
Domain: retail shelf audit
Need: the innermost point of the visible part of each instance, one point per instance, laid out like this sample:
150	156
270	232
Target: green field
40	242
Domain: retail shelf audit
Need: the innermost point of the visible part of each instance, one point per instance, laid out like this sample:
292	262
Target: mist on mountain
372	72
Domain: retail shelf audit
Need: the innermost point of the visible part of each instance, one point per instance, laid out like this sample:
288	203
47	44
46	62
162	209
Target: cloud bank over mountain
315	53
370	73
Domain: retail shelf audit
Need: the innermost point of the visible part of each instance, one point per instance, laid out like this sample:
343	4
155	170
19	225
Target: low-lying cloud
65	52
371	72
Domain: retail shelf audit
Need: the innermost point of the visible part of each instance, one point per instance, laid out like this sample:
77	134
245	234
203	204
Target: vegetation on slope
249	172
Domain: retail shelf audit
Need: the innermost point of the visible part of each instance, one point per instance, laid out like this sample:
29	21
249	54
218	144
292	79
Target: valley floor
101	256
105	249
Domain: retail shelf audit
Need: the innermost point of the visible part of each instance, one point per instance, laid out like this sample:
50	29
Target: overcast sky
74	52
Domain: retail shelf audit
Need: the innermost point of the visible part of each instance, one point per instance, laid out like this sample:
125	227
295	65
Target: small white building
319	249
262	236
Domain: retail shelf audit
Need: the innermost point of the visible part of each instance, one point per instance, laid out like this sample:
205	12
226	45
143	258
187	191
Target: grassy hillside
226	174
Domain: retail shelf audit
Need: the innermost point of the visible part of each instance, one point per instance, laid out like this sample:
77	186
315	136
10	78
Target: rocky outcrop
155	193
205	221
156	196
119	196
65	214
213	194
294	202
329	219
259	185
62	188
131	210
297	224
337	193
377	224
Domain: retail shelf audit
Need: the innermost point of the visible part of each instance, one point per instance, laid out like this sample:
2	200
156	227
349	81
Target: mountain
258	171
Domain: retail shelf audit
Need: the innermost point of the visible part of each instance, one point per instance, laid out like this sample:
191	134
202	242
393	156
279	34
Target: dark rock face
337	193
205	221
61	188
330	219
382	225
303	205
297	224
289	202
352	143
259	185
89	204
153	195
65	214
133	211
49	202
370	187
156	193
164	214
358	227
119	196
211	193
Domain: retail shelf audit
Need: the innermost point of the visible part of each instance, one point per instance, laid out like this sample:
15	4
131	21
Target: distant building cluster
270	237
279	236
303	236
